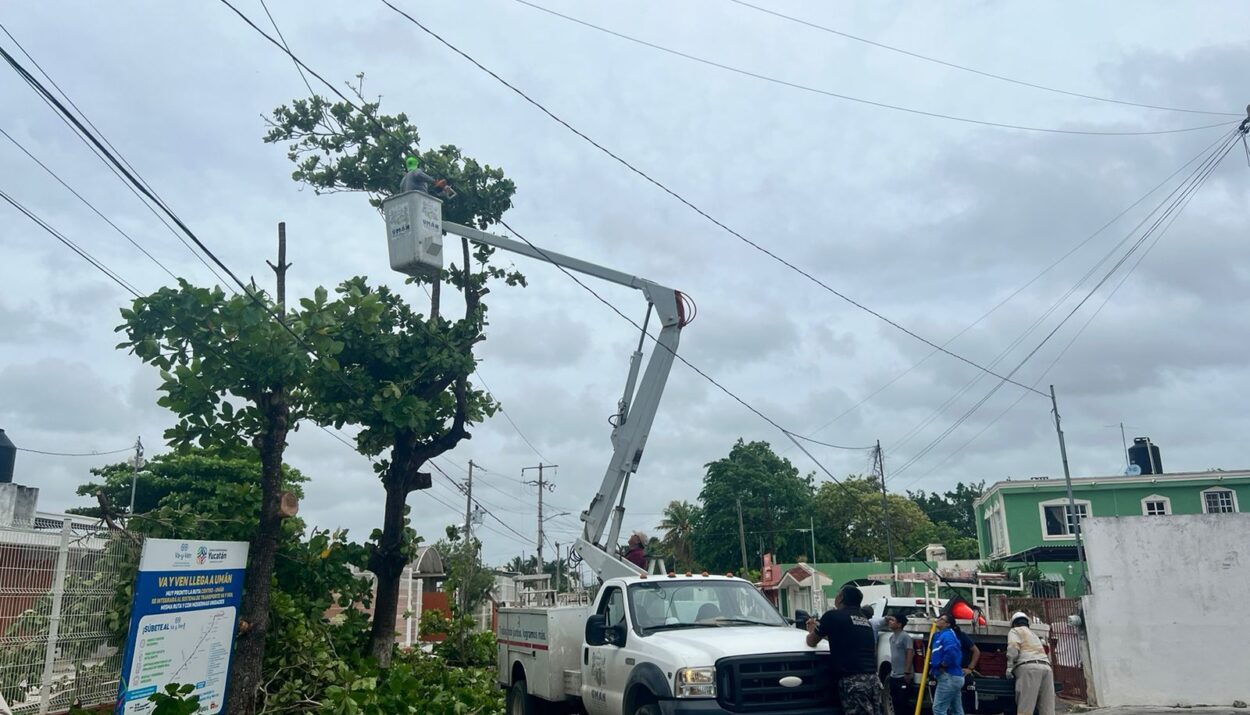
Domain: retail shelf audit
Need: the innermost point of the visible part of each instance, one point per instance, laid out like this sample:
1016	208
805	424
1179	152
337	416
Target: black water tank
8	455
1145	454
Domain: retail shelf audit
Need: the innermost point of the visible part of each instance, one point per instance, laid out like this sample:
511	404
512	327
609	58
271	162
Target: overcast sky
928	221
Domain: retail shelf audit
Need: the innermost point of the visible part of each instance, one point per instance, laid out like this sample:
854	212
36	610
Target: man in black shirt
852	650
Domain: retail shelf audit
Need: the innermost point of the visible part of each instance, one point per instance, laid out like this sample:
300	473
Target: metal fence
1065	639
58	584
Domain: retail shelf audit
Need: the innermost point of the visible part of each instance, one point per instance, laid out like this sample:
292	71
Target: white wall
1167	617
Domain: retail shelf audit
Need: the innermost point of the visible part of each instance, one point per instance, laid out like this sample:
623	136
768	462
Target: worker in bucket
636	552
1028	663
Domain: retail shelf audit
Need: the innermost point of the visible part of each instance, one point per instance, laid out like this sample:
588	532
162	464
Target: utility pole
468	505
811	531
542	485
879	458
742	540
557	568
136	464
1073	520
280	270
1124	443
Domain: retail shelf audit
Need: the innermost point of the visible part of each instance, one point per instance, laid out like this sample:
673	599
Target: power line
542	254
1176	206
508	417
89	205
1080	331
278	30
1075	247
833	446
973	70
75	454
488	512
44	95
688	203
850	98
82	253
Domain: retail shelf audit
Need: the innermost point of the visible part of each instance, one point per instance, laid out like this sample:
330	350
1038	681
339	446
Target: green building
1030	520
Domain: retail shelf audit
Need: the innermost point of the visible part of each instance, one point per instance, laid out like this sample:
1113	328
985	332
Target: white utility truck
649	644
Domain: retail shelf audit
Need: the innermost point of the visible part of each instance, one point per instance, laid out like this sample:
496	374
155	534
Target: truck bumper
708	707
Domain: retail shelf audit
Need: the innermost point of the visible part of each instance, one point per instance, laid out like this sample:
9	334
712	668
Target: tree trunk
387	563
249	649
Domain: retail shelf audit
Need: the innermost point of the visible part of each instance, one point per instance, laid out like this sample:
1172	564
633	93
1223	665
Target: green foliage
176	700
773	497
337	148
953	508
417	684
678	523
852	526
220	360
463	645
467	576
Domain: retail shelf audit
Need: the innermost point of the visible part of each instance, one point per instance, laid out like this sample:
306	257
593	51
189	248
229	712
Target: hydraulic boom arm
635	411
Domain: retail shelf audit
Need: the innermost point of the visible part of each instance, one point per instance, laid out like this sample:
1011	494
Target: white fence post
54	618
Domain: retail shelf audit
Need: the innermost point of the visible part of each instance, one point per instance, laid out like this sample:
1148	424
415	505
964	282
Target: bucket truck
649	644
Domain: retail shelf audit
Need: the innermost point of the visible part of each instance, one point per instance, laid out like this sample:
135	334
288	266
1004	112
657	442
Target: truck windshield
659	605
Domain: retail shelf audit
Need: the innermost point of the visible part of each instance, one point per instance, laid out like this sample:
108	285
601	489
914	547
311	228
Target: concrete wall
1167	618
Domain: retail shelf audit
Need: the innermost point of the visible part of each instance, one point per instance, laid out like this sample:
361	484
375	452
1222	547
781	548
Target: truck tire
648	709
520	702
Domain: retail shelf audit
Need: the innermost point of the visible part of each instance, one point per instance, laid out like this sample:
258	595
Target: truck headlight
696	683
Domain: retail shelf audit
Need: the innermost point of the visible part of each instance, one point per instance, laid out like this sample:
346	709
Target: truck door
604	671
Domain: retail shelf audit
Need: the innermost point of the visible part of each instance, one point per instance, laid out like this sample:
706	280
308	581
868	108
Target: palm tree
678	525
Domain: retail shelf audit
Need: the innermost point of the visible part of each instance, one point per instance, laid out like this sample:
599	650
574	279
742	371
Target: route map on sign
182	626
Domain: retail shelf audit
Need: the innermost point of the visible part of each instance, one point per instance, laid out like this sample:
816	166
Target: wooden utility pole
1074	520
885	511
742	540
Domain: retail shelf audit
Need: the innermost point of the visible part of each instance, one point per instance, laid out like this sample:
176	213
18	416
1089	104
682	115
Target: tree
678	523
398	375
774	501
233	375
955	507
852	526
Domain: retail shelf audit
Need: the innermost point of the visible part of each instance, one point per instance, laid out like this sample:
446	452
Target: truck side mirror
616	635
800	619
596	626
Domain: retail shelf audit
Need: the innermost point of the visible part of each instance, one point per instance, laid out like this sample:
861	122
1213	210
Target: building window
1155	505
1059	520
1219	501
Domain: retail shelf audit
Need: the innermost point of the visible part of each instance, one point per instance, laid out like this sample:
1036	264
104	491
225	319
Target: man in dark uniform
852	650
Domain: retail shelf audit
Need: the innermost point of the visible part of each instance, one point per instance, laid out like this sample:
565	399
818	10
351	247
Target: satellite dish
1134	470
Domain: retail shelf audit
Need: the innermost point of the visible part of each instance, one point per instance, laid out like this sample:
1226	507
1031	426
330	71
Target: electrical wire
850	98
835	446
1073	249
82	253
543	255
508	417
74	454
677	196
975	71
1175	207
89	205
1066	347
44	95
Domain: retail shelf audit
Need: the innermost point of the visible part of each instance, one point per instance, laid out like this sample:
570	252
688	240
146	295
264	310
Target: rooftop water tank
1145	455
8	455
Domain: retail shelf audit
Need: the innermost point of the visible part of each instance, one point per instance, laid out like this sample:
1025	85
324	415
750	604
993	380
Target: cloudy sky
928	221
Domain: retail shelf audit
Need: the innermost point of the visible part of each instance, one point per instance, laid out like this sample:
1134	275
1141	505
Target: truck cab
652	645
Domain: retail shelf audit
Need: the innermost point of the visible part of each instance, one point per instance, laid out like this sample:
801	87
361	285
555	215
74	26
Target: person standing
1028	663
900	663
970	654
946	662
852	651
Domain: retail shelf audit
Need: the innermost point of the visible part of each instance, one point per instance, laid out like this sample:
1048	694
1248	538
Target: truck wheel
519	700
648	709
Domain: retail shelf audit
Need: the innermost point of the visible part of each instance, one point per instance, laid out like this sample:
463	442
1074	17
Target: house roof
1113	481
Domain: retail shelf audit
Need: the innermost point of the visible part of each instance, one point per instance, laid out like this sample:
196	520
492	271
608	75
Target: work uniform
946	661
853	654
1030	666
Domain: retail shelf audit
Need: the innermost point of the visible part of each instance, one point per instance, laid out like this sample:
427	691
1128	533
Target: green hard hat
412	162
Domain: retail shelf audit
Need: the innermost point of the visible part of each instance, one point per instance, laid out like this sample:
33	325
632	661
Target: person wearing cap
1028	663
852	652
946	661
636	554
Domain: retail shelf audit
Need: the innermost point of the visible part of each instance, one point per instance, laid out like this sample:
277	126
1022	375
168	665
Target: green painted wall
1112	497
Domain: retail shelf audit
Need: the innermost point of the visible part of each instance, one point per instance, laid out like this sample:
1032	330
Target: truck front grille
750	684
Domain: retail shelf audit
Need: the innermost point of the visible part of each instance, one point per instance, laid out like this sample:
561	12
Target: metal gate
1065	639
